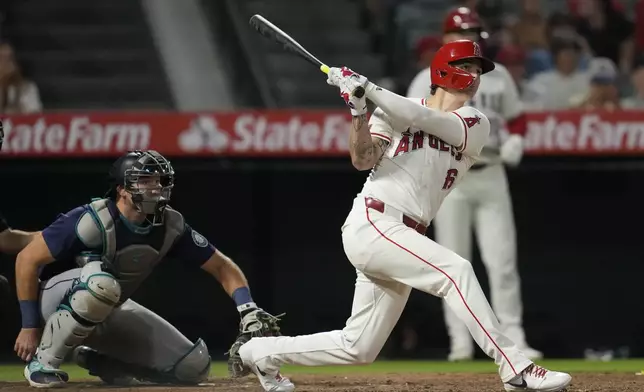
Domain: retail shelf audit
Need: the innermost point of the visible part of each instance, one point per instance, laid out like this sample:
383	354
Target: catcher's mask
149	178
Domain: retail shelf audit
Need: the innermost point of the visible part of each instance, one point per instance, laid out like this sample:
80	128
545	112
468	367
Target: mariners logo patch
199	240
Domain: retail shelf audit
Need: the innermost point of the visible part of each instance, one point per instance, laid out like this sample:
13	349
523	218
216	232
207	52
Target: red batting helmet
463	19
445	74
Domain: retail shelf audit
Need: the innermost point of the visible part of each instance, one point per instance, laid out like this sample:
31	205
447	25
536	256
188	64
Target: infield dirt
412	382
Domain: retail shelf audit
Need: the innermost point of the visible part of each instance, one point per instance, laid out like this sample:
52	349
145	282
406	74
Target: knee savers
95	295
89	301
194	366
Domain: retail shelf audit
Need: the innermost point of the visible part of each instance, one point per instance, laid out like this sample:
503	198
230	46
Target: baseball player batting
482	200
116	242
418	150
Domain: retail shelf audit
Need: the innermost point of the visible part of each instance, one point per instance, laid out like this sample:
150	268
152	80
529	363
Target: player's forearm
361	147
26	278
235	284
13	241
444	125
27	291
231	277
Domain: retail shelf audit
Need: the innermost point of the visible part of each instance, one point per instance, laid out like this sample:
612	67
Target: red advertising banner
585	133
281	133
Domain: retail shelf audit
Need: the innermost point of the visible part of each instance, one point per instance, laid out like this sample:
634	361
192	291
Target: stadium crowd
563	55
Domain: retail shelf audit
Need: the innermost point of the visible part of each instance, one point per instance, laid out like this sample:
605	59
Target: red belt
406	220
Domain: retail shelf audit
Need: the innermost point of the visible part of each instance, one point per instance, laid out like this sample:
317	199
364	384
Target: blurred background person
635	98
530	26
608	32
602	92
553	90
18	95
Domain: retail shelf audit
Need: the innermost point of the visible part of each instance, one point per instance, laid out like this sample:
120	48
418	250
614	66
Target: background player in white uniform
483	200
418	150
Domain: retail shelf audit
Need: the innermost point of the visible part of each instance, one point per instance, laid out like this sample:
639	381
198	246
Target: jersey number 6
450	178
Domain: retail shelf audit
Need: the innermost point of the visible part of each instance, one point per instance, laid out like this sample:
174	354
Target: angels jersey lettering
418	169
497	97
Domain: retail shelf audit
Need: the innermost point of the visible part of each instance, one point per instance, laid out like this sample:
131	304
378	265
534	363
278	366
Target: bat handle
358	92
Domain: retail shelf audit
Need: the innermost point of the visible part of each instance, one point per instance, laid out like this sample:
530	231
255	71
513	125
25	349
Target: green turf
14	372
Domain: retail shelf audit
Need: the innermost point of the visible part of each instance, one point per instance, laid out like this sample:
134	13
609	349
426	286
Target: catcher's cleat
40	376
109	370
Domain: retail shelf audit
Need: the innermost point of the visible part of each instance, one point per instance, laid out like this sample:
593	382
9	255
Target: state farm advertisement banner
585	133
281	133
272	133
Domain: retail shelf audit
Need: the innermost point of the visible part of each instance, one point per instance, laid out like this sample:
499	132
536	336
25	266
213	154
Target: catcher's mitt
256	323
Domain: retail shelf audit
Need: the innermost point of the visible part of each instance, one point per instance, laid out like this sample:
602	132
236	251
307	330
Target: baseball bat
274	33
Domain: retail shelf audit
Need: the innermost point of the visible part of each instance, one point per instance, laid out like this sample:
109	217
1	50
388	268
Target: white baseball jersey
418	169
497	97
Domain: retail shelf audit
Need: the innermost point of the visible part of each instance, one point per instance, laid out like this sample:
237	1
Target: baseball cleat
273	382
99	365
535	378
40	376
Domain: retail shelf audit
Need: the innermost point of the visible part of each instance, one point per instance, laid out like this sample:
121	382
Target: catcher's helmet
133	171
446	75
463	19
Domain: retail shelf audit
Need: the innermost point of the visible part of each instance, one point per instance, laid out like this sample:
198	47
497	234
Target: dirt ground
379	382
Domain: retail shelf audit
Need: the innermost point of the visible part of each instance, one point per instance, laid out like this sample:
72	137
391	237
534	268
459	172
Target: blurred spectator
551	90
636	100
608	32
529	28
603	92
17	94
513	57
558	25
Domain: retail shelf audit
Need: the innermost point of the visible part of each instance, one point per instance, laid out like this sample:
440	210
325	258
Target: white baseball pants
391	258
482	202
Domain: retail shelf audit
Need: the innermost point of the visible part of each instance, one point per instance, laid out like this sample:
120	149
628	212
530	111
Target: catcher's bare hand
27	343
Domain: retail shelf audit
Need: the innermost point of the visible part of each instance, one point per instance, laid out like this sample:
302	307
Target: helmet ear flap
453	78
